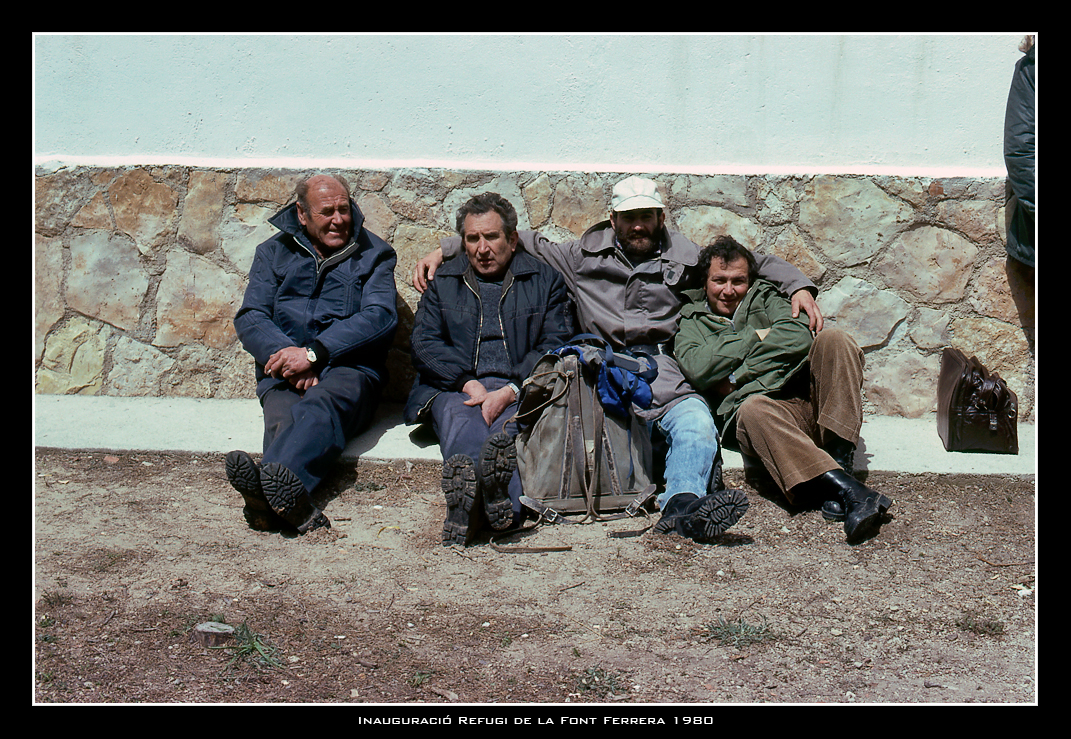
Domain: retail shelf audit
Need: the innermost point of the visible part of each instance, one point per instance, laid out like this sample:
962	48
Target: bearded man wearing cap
627	276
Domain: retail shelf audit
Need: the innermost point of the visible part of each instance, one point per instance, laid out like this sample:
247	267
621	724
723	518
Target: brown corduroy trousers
788	433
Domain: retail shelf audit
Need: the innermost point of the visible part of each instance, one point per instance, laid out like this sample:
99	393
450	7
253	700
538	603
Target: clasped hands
292	364
491	403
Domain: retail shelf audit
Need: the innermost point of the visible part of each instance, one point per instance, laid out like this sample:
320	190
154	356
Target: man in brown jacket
627	276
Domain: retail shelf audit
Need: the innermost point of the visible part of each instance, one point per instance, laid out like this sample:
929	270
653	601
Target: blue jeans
687	435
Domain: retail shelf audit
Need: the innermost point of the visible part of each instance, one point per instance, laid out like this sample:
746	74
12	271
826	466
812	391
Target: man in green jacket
791	399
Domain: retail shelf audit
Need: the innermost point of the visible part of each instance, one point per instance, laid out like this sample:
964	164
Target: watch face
311	355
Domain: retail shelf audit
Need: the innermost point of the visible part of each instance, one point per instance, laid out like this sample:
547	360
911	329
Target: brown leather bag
976	411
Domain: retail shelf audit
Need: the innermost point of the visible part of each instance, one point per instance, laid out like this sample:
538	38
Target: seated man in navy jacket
480	329
318	317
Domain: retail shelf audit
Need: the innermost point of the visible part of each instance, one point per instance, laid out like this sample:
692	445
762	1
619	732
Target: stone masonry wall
139	270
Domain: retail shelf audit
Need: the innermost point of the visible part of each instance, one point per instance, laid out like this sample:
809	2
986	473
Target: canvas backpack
581	449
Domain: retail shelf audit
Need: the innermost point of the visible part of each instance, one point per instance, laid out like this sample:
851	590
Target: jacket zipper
501	328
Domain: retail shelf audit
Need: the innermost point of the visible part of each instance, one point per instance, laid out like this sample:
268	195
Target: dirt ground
134	550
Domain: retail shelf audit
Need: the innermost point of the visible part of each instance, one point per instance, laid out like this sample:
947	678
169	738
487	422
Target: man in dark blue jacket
319	316
480	329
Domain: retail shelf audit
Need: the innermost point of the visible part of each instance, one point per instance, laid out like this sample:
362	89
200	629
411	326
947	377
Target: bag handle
538	409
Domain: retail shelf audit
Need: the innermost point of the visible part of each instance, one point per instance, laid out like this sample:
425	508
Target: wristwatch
310	354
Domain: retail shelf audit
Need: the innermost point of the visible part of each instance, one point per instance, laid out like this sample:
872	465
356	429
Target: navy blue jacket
1020	159
344	305
536	318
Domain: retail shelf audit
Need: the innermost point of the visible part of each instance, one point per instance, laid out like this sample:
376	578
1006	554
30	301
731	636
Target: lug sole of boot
717	514
282	488
288	498
244	476
498	462
463	508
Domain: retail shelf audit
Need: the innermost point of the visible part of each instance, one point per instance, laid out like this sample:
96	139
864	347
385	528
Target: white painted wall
927	104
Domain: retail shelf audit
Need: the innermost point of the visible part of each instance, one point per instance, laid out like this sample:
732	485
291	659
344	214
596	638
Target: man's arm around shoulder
793	283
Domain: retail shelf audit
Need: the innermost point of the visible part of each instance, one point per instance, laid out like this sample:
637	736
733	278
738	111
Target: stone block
864	311
144	208
932	264
901	383
47	282
106	279
579	203
704	223
137	369
196	303
850	220
73	361
202	210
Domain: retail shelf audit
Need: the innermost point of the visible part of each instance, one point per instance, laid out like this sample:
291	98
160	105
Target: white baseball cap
635	193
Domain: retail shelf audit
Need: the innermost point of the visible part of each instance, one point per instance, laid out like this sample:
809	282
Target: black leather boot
863	507
843	453
701	519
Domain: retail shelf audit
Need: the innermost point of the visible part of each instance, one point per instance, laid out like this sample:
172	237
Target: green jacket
710	348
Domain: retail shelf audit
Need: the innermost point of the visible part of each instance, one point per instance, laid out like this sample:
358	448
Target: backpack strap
589	478
550	515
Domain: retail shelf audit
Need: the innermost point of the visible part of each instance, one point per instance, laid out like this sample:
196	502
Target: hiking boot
244	476
498	461
464	510
289	498
702	519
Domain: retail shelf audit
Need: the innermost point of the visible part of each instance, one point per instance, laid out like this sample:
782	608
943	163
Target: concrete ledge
889	444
